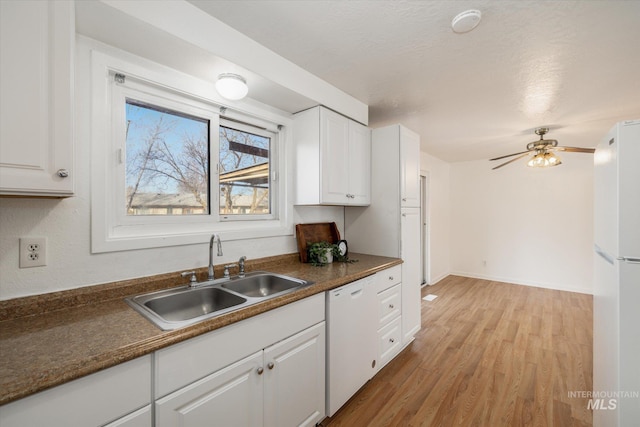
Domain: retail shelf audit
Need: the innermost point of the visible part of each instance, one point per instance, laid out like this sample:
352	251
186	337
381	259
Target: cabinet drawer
389	303
389	342
389	277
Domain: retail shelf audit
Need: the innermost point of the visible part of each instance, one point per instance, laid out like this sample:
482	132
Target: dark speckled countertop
49	339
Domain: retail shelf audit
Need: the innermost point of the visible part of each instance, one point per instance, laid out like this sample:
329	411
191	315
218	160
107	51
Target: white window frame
111	228
154	96
273	166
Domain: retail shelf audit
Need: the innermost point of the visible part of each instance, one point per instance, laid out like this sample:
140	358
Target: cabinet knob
390	277
63	173
260	370
270	365
391	306
404	199
391	340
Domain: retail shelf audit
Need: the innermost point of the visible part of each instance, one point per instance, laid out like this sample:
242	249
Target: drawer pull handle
260	370
390	277
270	365
391	306
391	340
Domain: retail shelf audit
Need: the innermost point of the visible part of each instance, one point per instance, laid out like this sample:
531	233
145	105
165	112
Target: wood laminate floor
489	354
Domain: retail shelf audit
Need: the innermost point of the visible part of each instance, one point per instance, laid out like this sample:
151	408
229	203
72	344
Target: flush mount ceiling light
232	86
466	21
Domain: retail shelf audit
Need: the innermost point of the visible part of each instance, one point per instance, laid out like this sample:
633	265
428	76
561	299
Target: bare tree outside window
244	173
167	167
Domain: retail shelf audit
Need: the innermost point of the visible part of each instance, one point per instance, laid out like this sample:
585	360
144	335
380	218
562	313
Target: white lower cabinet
232	396
390	314
282	385
294	380
98	399
268	370
364	321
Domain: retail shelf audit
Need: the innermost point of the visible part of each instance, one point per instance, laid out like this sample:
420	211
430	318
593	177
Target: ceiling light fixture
466	21
544	159
232	86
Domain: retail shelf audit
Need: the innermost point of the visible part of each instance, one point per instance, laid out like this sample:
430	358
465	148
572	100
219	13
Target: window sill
126	238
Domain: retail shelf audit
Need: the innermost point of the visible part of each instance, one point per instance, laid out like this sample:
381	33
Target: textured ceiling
571	65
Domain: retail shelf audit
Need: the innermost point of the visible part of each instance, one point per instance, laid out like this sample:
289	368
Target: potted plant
322	253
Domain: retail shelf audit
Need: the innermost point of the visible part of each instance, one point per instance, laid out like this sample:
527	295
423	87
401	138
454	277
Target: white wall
532	227
439	217
66	224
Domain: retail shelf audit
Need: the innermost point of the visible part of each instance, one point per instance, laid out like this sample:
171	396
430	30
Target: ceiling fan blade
575	149
512	160
509	155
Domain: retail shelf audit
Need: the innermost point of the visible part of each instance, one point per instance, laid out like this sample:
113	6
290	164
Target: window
167	161
168	169
244	175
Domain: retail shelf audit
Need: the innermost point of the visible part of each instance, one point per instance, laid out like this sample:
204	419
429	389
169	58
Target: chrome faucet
241	264
213	237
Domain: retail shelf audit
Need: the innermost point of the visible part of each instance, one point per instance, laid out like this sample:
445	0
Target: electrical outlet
33	252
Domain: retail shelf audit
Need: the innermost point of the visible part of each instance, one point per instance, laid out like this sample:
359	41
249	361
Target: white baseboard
439	278
519	282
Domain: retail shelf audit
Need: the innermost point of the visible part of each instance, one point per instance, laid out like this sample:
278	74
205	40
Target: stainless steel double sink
182	306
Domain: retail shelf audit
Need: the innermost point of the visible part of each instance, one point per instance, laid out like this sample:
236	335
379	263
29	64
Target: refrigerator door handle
630	260
603	254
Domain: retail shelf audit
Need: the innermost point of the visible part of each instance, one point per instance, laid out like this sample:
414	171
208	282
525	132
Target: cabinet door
410	253
359	167
36	82
232	396
409	168
294	386
334	157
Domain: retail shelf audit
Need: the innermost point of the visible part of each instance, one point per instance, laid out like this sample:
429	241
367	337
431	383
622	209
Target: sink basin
179	307
262	284
192	303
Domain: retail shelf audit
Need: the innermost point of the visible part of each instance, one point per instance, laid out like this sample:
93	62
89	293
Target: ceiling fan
543	152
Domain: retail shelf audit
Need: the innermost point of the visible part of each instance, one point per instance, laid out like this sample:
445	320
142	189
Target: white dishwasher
351	340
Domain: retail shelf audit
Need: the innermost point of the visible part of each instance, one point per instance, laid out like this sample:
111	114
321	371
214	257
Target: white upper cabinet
409	168
360	164
333	159
36	117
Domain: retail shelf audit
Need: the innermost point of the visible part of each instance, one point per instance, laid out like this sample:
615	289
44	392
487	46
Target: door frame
425	227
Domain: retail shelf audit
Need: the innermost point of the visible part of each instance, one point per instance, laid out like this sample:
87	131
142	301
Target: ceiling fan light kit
544	160
543	152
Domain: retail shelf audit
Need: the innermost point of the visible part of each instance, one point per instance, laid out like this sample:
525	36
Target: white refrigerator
616	298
